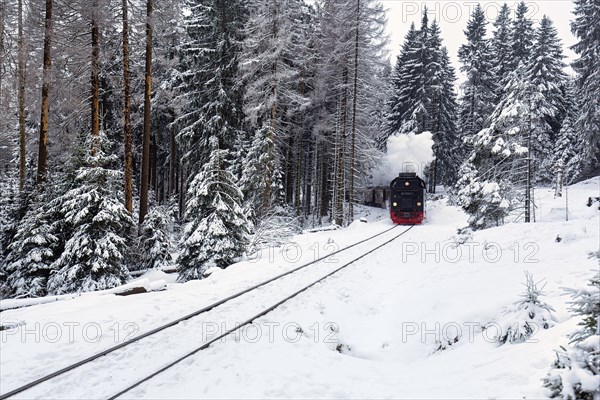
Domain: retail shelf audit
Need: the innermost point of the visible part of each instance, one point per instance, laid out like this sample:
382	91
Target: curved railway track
206	310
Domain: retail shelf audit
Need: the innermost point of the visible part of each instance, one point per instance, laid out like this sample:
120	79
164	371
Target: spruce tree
587	29
210	92
400	100
155	238
442	111
501	48
32	250
569	146
217	232
492	175
574	373
415	75
547	79
99	224
479	89
522	37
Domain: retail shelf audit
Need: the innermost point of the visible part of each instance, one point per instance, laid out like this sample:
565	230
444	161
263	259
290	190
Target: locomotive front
407	199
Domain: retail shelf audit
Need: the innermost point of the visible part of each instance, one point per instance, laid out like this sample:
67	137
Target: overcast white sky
454	14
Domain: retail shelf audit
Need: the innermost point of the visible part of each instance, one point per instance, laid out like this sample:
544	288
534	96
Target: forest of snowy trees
142	134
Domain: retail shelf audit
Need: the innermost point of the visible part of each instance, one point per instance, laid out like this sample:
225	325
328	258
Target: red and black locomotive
407	199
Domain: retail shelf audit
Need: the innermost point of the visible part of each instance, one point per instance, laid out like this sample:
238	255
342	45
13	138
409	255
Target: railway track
152	338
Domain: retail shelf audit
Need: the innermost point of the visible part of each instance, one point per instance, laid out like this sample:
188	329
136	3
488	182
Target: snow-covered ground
370	331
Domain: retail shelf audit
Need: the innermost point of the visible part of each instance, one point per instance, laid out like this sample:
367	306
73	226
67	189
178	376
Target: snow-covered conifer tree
587	29
479	89
521	38
8	214
210	93
575	373
399	102
491	174
501	48
547	80
217	232
32	250
94	214
566	157
442	111
527	316
155	238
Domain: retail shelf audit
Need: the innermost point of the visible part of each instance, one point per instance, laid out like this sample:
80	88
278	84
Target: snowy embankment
373	330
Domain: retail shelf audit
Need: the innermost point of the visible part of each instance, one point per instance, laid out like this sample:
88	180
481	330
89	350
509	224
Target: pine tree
547	80
155	238
32	251
479	89
522	37
98	223
399	102
587	66
217	233
525	317
442	111
8	212
501	48
492	175
568	149
210	92
415	75
574	373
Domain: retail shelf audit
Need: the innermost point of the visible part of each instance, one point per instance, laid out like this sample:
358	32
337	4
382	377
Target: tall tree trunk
308	178
154	164
147	105
2	51
319	196
21	97
43	142
95	77
340	149
172	166
271	156
354	100
289	178
298	174
127	134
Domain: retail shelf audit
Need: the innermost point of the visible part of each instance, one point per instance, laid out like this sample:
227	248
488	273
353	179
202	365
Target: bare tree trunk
2	23
21	97
559	181
298	182
271	149
340	149
154	165
127	134
95	77
308	179
43	145
172	167
353	139
147	105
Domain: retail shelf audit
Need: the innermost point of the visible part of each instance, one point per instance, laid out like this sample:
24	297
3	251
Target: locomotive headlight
406	183
419	204
395	204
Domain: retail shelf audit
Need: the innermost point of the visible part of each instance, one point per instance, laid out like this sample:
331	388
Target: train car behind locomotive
407	199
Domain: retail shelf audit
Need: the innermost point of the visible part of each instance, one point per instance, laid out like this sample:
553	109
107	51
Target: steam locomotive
405	198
